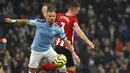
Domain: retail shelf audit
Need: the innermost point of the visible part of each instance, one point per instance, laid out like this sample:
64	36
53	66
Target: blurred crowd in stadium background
105	22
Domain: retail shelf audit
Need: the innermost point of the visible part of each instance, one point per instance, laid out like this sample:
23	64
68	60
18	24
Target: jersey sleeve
33	22
75	23
36	22
61	34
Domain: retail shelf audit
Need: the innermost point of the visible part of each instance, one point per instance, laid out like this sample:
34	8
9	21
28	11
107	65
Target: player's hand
4	40
8	20
76	58
44	10
90	44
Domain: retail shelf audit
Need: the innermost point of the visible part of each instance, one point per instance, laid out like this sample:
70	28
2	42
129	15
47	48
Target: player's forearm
22	21
69	46
19	21
81	34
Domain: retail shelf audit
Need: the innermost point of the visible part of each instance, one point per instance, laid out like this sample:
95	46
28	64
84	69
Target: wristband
13	21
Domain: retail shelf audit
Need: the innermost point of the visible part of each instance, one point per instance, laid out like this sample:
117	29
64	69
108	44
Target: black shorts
67	53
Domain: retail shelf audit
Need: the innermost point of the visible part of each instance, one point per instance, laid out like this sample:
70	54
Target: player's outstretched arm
81	34
19	21
71	49
69	46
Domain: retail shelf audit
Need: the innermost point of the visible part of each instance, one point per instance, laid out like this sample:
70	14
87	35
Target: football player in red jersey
69	23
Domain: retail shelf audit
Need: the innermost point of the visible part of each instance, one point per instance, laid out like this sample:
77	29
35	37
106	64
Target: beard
51	23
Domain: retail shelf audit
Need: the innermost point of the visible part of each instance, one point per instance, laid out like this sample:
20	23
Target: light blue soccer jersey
44	35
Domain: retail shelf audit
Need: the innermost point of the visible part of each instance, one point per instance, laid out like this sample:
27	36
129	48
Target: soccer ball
60	60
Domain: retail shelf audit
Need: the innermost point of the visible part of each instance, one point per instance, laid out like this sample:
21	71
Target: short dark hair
50	9
74	4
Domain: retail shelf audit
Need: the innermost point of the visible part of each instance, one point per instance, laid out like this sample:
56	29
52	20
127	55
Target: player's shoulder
41	20
60	13
57	26
74	18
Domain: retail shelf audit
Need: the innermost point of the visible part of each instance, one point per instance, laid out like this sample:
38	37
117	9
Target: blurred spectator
124	31
111	71
101	68
10	12
128	9
118	46
126	50
123	69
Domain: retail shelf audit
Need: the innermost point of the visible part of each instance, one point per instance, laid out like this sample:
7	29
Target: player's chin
52	22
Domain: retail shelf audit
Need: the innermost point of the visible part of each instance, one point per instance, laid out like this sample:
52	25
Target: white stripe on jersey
57	41
62	43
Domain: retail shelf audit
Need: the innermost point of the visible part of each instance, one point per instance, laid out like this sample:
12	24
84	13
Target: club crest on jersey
54	32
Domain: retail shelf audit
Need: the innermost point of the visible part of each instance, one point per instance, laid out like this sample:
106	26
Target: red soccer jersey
67	24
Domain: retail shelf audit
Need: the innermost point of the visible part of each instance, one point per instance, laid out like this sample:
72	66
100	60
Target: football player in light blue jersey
46	30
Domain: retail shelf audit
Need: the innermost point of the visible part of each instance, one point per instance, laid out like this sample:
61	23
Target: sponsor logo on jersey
66	18
54	32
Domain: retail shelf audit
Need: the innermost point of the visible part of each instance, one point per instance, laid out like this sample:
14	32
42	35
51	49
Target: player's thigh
35	58
67	53
51	54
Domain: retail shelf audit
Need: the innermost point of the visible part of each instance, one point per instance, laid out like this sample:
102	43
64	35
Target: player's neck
49	24
69	13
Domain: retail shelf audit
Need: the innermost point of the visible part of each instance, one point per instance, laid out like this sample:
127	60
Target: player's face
51	16
76	11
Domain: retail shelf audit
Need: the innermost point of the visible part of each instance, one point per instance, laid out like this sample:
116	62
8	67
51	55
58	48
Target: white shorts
35	57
